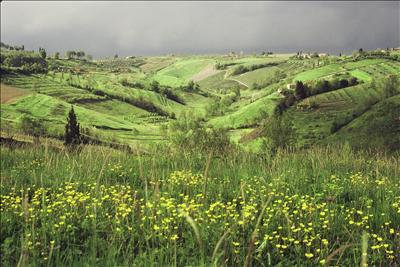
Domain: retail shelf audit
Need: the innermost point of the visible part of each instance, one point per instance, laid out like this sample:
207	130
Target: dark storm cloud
139	28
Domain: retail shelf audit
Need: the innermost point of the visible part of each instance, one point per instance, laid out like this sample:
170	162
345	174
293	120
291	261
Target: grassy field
103	207
181	72
259	76
54	111
361	75
338	68
318	72
362	131
218	82
247	114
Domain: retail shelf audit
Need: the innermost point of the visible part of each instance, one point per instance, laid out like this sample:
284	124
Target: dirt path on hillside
242	83
208	71
7	93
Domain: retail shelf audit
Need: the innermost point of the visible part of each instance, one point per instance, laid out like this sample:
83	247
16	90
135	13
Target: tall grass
107	208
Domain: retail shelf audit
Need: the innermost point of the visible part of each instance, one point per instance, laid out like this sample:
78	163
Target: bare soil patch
10	92
208	71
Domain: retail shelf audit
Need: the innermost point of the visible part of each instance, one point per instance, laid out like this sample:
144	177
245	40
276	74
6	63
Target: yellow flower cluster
185	178
308	226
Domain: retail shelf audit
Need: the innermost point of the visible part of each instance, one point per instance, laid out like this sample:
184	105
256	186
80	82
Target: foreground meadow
322	206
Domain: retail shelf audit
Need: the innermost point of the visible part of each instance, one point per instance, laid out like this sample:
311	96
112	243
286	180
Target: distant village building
311	55
234	54
305	55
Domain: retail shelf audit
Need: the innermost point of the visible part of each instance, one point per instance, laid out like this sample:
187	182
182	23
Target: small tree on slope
72	133
279	133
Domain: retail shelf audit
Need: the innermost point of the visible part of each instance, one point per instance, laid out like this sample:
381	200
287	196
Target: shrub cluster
12	47
191	136
155	87
26	62
278	132
75	54
219	105
165	91
323	86
242	69
134	84
139	102
191	87
223	66
361	54
306	90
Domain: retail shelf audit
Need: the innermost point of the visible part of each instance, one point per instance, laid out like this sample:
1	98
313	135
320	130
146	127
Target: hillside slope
135	99
376	128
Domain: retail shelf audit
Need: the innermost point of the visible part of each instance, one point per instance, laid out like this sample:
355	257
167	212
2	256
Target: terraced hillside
133	100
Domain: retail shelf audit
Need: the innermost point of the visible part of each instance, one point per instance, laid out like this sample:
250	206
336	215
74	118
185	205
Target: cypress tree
72	134
300	91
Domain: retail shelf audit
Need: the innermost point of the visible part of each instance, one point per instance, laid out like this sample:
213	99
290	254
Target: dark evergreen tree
300	91
344	83
155	86
72	133
69	54
322	87
80	54
353	81
190	86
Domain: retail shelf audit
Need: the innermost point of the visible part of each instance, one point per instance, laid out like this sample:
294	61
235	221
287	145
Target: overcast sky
154	28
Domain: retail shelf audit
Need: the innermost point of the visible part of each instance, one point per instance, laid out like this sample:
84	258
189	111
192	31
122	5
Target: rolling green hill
379	126
180	72
115	99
